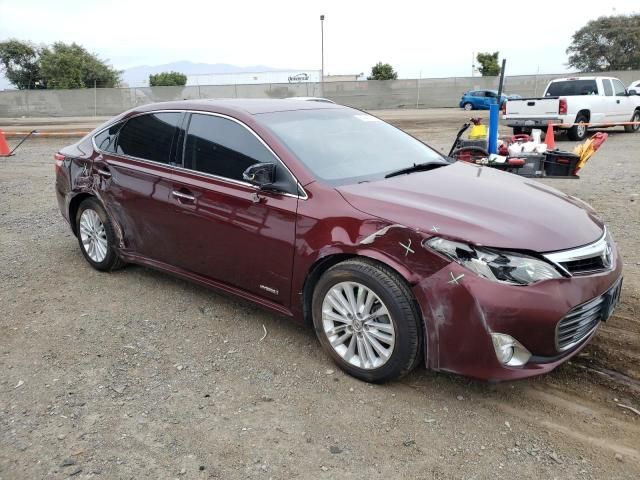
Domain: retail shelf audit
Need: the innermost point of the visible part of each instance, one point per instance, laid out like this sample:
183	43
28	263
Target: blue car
481	99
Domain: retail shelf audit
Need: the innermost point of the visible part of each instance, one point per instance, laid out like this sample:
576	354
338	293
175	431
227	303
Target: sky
418	38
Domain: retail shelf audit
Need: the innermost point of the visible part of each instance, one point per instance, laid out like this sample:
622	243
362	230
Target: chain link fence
367	95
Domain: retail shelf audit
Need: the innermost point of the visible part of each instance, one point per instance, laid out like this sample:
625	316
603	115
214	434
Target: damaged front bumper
462	310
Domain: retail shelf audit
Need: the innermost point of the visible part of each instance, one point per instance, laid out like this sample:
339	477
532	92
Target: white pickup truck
573	101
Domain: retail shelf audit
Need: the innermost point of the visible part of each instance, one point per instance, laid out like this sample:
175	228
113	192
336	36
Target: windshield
572	87
342	146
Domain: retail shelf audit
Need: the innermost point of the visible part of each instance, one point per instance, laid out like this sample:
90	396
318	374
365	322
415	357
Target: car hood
480	205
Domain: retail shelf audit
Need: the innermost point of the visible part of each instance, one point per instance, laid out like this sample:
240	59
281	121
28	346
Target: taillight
59	158
504	107
562	106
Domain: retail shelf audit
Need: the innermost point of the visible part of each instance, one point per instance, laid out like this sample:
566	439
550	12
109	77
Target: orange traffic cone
548	139
4	148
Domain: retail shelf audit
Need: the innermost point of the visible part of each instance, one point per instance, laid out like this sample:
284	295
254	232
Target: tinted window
152	136
344	146
572	87
222	147
618	88
106	140
477	94
608	91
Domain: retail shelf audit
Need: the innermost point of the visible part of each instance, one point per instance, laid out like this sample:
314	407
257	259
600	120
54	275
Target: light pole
322	55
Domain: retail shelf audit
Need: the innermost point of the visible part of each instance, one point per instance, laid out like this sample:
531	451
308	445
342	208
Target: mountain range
139	76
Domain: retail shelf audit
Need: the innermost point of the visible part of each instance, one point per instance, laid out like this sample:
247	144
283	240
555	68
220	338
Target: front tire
468	106
96	236
578	132
634	118
365	318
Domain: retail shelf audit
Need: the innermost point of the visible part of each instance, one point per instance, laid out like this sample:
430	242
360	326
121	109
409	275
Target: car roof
311	99
564	79
245	106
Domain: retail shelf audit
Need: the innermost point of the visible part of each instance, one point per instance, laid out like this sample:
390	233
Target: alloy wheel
93	235
358	325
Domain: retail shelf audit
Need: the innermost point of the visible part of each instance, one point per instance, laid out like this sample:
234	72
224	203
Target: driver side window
222	147
618	88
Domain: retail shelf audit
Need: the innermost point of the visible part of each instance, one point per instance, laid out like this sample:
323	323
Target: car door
624	104
229	231
135	172
609	102
490	98
478	99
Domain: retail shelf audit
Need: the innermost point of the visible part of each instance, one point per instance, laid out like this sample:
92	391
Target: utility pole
473	63
322	55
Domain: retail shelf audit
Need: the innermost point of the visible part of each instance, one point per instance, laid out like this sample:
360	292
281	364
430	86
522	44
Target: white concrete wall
424	93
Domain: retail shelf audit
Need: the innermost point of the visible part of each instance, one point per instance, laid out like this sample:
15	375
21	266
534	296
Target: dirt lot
135	374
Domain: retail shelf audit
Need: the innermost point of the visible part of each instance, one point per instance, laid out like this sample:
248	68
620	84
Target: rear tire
398	331
577	133
634	118
96	236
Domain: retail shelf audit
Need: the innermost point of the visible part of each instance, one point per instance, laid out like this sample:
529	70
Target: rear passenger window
106	140
608	91
151	137
222	147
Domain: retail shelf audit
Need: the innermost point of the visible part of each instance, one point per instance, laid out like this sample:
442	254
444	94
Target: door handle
183	196
104	173
617	101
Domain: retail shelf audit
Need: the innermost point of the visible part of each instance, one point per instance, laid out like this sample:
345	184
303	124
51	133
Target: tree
489	66
20	62
168	79
607	43
72	66
59	66
382	71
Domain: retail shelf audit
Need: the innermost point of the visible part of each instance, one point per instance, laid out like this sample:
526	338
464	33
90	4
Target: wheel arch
74	204
586	112
321	265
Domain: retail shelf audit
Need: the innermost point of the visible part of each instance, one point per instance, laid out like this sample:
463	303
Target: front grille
580	321
584	265
592	258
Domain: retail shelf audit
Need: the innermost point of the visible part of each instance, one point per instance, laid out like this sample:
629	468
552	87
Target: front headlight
499	266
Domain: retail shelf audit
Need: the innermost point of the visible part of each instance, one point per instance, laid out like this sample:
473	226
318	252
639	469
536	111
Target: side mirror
260	174
632	92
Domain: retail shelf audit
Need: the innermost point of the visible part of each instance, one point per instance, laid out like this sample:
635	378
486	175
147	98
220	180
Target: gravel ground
136	374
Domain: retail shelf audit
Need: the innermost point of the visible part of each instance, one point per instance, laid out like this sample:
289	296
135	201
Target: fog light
509	351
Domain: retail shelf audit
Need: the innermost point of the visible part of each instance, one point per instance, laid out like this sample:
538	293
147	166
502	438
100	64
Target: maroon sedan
335	218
